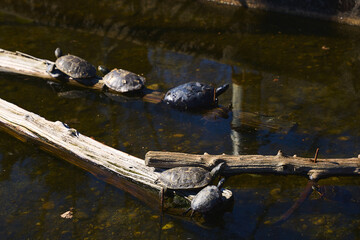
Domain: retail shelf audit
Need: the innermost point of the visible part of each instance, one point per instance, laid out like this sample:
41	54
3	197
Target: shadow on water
296	79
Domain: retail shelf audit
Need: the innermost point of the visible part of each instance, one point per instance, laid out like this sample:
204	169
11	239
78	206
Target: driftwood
25	64
22	63
279	163
120	169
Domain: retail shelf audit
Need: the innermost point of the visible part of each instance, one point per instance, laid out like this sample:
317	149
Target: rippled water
300	75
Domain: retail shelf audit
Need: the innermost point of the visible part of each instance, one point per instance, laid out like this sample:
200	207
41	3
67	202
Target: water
300	73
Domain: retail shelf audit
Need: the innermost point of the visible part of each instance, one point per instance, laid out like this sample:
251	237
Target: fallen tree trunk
22	63
120	169
115	167
279	163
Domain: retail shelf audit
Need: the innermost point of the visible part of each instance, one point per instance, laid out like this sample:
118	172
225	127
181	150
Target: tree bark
279	164
120	169
115	167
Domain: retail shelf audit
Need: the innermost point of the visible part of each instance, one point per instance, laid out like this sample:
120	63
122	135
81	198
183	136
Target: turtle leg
52	71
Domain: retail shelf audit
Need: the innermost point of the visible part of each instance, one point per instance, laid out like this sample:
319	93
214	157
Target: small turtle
194	95
207	199
122	81
188	177
70	66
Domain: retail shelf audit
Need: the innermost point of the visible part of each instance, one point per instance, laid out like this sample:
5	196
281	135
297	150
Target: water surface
299	73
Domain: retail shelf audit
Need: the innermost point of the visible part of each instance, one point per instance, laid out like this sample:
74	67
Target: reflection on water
294	87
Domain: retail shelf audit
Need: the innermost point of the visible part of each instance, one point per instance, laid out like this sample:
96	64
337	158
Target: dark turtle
123	81
194	95
71	66
207	199
188	177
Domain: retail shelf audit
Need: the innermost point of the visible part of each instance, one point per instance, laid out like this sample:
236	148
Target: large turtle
194	95
207	199
188	177
122	81
70	66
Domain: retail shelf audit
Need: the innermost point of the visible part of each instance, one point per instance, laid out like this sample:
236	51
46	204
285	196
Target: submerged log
279	164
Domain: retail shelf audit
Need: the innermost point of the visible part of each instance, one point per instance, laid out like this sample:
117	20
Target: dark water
301	74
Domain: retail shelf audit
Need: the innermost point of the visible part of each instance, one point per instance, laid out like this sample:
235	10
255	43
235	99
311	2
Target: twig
316	155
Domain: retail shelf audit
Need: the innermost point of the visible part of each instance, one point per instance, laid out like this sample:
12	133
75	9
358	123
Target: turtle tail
220	90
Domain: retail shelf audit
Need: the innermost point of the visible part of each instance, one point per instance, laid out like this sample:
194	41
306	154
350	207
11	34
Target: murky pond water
301	74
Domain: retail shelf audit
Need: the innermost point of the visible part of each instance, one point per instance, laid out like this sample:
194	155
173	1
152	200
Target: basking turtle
122	81
194	95
188	177
207	199
70	66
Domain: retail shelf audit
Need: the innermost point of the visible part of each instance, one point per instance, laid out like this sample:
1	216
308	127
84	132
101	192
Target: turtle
188	177
207	199
122	81
194	95
70	66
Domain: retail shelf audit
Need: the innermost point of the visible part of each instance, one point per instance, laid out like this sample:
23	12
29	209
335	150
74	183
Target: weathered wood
21	63
120	169
279	163
115	167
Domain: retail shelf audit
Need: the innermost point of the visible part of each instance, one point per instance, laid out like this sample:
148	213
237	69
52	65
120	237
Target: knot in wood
212	161
73	132
28	117
280	154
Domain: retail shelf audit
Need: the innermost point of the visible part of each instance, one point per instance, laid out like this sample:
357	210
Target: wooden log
115	167
279	163
22	63
120	169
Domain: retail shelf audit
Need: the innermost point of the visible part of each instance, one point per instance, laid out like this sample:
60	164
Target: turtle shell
75	67
123	81
206	199
185	177
192	95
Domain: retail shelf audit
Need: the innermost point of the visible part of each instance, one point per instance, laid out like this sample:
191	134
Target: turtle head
58	53
215	171
220	90
104	70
